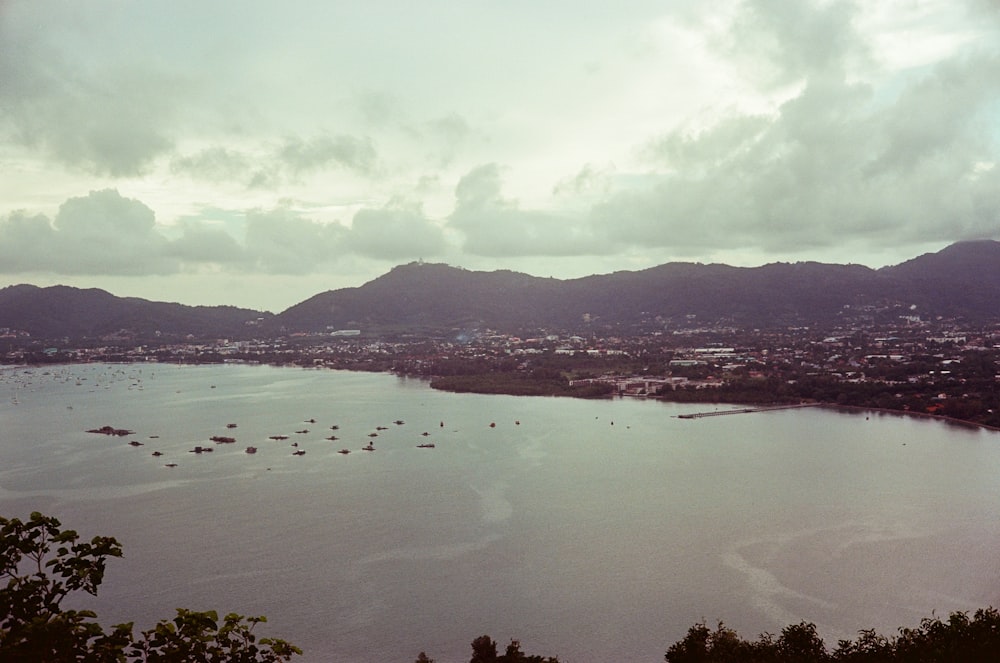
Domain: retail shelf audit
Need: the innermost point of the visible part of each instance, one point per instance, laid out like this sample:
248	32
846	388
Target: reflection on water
585	540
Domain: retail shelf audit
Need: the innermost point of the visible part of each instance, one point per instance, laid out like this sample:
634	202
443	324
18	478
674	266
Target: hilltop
961	281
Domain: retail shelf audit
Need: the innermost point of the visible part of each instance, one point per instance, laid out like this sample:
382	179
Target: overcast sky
256	153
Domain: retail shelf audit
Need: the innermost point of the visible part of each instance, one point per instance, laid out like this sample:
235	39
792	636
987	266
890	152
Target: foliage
484	650
960	638
42	564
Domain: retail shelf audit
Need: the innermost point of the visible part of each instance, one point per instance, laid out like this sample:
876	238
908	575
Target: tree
42	564
33	626
484	650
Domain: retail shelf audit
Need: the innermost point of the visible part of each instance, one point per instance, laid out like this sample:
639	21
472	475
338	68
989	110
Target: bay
588	530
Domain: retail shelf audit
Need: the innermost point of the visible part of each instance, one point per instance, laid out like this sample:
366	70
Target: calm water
592	531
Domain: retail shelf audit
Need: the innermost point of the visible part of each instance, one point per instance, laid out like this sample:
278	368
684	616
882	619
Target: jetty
745	410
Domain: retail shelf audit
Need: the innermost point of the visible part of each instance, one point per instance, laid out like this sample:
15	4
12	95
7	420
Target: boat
344	451
428	445
251	450
370	447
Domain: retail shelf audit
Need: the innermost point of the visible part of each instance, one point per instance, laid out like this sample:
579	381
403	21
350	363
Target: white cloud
494	226
395	233
101	233
627	132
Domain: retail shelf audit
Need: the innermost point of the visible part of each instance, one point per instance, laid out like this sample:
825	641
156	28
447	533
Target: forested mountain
62	311
962	280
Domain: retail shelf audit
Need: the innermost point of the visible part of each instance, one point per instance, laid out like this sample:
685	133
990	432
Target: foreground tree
961	638
484	650
41	564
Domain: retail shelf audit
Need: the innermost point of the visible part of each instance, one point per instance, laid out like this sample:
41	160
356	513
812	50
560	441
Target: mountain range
960	281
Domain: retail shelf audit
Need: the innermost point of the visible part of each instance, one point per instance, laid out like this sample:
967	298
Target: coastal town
933	367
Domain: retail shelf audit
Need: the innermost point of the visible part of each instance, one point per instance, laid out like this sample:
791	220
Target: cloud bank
313	140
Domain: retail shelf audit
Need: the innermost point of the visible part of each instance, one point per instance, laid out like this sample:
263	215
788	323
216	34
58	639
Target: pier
746	410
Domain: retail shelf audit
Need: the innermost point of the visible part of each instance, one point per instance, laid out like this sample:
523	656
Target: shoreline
910	413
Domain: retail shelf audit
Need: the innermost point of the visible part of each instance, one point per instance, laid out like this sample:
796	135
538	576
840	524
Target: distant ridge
61	311
961	281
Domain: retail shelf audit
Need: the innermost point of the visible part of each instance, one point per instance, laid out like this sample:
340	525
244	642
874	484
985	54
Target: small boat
170	465
299	452
344	451
428	445
333	437
230	425
335	427
370	447
135	443
278	437
157	453
303	431
399	422
251	450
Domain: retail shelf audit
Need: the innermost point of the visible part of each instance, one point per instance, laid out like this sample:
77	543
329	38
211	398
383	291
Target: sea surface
588	530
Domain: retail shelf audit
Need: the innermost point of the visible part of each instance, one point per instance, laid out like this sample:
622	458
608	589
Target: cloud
588	181
448	135
101	233
202	244
298	155
113	121
26	243
394	233
279	241
259	166
217	164
105	233
495	227
841	159
778	42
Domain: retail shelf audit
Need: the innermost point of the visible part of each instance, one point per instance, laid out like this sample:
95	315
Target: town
941	367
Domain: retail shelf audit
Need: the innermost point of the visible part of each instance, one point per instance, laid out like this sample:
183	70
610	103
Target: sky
256	153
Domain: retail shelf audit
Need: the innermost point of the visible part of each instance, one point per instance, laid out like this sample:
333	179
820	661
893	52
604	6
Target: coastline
910	413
